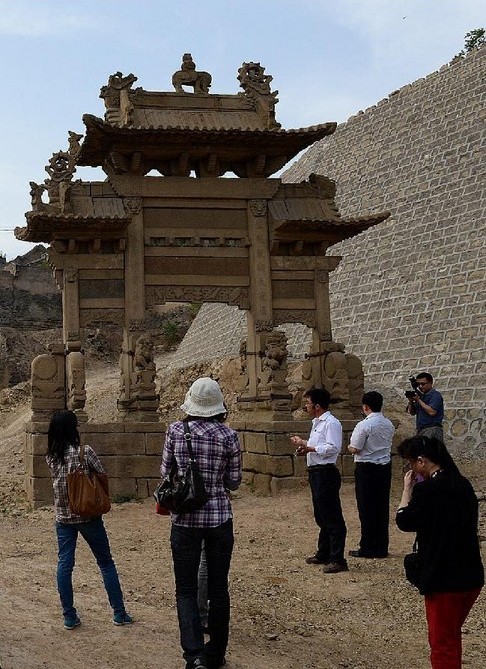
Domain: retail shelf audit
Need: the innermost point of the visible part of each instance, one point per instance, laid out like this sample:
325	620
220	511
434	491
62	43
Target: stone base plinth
130	452
269	462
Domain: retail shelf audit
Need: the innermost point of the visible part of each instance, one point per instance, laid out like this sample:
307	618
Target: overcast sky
329	59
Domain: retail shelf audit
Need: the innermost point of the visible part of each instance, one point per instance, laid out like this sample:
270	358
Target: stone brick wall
130	452
409	294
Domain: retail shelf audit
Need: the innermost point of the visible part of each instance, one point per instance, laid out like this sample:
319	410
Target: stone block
126	466
347	465
287	484
247	478
41	492
154	444
122	486
37	466
114	443
279	444
300	466
147	427
459	427
261	484
36	444
255	442
268	464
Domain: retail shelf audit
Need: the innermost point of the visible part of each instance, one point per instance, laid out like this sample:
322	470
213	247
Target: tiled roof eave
372	219
67	218
102	136
92	122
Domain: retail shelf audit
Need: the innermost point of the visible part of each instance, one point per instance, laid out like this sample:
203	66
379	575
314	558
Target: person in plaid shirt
62	457
217	451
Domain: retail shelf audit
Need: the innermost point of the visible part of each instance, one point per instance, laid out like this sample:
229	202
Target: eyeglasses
423	383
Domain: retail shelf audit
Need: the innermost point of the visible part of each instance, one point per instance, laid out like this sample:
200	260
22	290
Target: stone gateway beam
166	227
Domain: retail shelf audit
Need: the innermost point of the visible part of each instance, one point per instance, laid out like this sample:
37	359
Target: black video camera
409	394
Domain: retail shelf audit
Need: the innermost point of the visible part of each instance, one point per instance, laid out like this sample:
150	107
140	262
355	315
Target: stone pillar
138	400
264	391
75	391
76	384
323	311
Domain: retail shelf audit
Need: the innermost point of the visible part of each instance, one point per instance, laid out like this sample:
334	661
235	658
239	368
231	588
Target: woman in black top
443	510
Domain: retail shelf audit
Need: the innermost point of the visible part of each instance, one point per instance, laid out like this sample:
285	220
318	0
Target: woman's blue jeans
95	536
186	543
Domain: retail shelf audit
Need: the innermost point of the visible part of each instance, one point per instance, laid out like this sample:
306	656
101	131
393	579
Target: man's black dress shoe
359	554
313	559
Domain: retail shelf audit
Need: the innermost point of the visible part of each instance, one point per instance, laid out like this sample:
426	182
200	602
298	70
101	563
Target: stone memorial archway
165	226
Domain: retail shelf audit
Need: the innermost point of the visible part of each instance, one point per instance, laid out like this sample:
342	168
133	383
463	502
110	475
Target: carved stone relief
341	374
235	296
76	382
48	382
133	205
306	317
258	207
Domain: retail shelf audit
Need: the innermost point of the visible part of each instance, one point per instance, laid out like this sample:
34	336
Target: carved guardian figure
189	76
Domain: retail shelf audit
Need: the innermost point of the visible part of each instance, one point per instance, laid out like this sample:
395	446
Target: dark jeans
325	483
186	543
372	485
94	533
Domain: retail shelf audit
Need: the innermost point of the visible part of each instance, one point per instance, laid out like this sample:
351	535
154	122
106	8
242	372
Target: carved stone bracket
264	326
322	276
258	207
71	275
133	205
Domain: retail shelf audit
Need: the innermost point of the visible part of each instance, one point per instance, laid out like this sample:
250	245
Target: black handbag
186	493
412	564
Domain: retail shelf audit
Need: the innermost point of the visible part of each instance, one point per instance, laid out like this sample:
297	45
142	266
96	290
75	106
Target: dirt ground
285	614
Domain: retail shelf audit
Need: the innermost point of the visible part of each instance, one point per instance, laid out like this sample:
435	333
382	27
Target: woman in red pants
443	510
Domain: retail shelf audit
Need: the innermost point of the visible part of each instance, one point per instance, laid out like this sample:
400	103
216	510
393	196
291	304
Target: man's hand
301	447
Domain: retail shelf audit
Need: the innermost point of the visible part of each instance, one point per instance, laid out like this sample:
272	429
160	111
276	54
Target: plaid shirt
59	472
217	452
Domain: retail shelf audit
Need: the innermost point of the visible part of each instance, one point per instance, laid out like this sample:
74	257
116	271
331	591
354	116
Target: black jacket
443	511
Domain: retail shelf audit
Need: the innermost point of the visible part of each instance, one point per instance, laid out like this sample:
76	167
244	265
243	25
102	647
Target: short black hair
426	376
319	396
373	400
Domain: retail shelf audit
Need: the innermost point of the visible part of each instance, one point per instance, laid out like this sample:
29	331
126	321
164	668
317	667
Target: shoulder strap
187	438
81	453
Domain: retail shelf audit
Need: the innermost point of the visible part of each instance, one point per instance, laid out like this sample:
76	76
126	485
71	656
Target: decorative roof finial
189	76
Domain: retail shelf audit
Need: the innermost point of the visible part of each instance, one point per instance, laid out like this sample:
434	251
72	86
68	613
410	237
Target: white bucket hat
204	399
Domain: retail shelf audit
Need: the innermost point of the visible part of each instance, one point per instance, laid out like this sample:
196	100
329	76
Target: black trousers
325	483
372	485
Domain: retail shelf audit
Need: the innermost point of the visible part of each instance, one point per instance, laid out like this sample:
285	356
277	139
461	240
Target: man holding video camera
427	405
